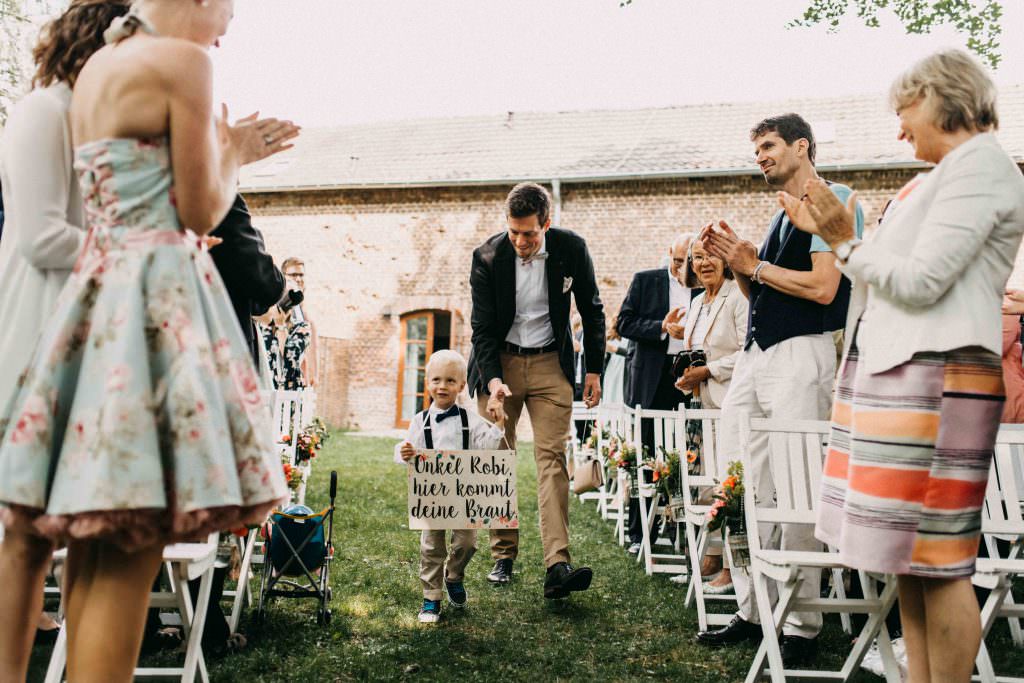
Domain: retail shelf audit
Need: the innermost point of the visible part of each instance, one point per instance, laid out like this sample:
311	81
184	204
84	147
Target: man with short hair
787	369
653	317
294	270
522	282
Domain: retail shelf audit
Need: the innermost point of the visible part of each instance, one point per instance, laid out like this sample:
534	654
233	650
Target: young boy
446	425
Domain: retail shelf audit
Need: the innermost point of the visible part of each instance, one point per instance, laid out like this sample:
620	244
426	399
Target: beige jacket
43	230
932	276
727	329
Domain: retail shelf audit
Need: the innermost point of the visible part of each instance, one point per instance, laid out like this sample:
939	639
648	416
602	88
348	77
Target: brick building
386	215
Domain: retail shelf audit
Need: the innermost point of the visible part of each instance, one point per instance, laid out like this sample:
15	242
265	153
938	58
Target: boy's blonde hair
447	356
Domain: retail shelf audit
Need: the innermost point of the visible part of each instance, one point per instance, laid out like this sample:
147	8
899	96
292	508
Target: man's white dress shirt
678	297
531	327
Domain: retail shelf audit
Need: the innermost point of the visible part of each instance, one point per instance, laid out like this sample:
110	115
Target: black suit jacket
493	284
253	282
640	319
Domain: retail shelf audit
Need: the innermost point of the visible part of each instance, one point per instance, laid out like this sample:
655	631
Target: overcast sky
336	62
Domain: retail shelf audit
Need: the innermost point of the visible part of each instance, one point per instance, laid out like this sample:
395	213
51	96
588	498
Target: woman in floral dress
139	421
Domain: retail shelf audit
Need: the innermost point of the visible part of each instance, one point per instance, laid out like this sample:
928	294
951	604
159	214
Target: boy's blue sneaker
430	613
457	594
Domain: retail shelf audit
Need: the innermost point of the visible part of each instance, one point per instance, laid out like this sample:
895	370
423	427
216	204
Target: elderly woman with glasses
921	390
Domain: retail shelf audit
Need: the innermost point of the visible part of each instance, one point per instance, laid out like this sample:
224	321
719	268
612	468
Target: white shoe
634	549
712	589
679	579
431	612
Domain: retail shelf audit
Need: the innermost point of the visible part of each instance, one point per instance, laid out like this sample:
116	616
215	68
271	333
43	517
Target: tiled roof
708	139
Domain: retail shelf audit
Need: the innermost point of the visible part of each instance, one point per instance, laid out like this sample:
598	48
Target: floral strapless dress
139	420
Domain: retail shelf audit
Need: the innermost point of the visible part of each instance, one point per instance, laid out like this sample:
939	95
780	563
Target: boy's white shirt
447	435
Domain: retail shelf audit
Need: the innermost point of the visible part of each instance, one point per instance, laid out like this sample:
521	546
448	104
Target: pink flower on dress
32	422
247	385
118	379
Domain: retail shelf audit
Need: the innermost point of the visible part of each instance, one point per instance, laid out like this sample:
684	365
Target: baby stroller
297	556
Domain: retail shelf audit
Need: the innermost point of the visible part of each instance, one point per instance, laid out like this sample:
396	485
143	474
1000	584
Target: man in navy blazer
652	317
523	281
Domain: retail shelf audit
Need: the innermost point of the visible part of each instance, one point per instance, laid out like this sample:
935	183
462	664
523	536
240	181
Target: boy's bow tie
539	256
451	412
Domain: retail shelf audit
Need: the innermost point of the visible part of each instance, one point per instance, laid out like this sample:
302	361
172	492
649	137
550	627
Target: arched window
422	333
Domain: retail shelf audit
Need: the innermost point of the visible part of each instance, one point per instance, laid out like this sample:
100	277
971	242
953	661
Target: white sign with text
463	490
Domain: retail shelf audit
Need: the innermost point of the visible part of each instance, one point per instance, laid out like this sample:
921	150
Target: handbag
589	477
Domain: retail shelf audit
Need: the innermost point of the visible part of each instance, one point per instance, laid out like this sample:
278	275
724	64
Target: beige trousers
538	383
433	568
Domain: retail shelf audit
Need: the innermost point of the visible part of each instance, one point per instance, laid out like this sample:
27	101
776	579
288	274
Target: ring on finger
268	139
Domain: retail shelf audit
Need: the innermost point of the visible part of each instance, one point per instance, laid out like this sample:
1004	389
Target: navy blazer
253	282
640	318
570	274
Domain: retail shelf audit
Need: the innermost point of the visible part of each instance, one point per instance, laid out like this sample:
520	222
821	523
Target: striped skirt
908	463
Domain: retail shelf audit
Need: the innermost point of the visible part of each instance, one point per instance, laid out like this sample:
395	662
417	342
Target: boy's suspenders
428	437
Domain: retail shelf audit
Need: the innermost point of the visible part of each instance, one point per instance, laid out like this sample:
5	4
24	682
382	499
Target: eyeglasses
296	276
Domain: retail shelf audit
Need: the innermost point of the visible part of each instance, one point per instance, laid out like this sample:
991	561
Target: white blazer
723	343
42	224
932	276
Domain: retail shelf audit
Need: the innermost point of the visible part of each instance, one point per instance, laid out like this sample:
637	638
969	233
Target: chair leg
193	622
695	591
839	590
59	657
874	628
242	591
1016	632
645	529
769	649
989	613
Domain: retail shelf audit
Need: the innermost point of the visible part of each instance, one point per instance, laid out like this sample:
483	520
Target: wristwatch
844	250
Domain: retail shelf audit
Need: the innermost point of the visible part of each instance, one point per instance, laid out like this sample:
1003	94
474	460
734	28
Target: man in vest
787	368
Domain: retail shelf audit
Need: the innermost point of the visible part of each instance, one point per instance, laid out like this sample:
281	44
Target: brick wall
372	255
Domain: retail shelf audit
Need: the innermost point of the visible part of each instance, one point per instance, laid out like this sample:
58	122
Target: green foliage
979	20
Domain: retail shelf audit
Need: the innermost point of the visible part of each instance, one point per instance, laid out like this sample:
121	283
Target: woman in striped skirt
920	390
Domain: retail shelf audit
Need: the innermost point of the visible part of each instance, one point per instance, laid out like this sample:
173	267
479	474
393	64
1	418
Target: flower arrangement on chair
310	440
668	479
624	456
592	440
727	513
292	474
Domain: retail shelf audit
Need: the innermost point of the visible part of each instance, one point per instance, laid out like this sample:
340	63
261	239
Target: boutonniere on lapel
566	284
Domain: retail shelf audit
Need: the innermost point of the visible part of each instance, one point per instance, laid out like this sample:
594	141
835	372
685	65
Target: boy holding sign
445	425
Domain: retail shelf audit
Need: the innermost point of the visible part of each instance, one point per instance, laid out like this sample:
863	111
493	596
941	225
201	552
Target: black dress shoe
502	572
797	651
563	579
739	630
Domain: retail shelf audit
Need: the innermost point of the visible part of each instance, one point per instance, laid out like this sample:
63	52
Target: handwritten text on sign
463	490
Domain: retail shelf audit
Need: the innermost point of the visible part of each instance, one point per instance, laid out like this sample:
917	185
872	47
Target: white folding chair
241	595
1001	521
611	419
697	536
286	415
185	562
669	434
795	462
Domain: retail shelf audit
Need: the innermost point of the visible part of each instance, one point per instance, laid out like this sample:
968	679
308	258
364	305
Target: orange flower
286	438
729	483
691	456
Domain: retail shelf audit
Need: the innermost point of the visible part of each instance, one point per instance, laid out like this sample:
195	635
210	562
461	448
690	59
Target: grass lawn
626	627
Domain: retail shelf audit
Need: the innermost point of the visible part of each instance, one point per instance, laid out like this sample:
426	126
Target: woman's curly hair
67	42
